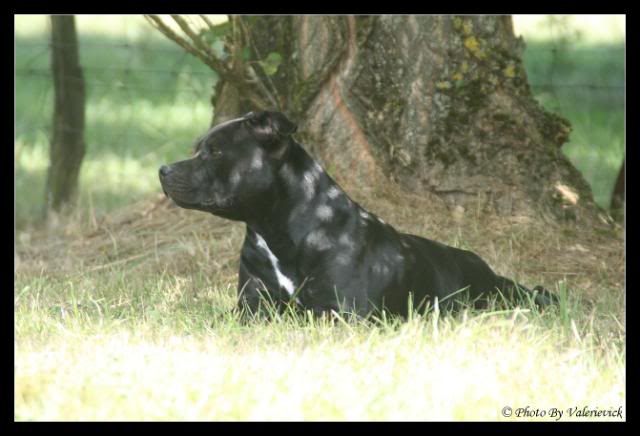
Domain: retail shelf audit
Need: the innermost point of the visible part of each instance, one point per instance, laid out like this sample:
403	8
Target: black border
244	7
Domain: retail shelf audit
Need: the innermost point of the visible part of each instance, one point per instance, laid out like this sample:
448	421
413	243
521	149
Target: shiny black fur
307	243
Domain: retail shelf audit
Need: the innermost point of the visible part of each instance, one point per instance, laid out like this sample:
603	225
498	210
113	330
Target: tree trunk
437	104
67	145
617	197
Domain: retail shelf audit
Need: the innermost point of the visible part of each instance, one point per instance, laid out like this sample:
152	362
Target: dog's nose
164	170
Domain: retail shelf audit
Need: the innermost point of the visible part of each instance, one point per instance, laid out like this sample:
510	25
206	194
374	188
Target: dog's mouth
170	192
209	205
176	200
176	194
184	204
170	197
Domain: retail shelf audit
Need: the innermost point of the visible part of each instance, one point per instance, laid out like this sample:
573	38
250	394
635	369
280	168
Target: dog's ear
268	123
272	129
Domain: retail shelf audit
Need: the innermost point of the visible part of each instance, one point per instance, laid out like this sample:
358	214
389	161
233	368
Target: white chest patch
283	280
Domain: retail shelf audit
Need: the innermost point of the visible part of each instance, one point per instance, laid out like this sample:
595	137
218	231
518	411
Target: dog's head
233	169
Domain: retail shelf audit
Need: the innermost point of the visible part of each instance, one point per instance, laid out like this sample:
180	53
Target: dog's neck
307	201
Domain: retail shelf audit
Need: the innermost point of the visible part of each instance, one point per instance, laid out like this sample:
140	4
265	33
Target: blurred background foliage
147	101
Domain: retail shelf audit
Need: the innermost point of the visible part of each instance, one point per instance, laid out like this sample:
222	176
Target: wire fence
131	70
147	99
119	73
28	72
560	52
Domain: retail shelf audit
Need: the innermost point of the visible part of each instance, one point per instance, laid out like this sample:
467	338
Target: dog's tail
512	290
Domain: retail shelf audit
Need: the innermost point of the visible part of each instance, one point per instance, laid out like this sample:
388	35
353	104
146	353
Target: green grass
131	320
597	143
583	58
136	119
590	29
114	347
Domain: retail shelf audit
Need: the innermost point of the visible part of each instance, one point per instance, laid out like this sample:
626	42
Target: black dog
306	241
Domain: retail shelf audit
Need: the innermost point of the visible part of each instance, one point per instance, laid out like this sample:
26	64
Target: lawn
133	321
122	312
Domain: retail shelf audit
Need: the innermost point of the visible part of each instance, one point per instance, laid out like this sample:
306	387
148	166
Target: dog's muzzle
164	172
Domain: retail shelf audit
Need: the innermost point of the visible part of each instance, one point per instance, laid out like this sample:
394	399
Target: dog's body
307	242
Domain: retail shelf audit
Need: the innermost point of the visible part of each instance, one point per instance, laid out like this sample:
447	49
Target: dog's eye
213	154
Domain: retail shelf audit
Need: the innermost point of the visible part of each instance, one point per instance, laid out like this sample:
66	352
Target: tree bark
67	146
618	197
435	104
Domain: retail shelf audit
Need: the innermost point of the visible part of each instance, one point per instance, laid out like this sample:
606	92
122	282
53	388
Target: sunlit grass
466	374
153	349
98	339
132	27
587	29
121	164
593	28
131	320
149	116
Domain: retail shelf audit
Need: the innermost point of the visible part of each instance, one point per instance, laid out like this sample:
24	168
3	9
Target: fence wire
186	76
